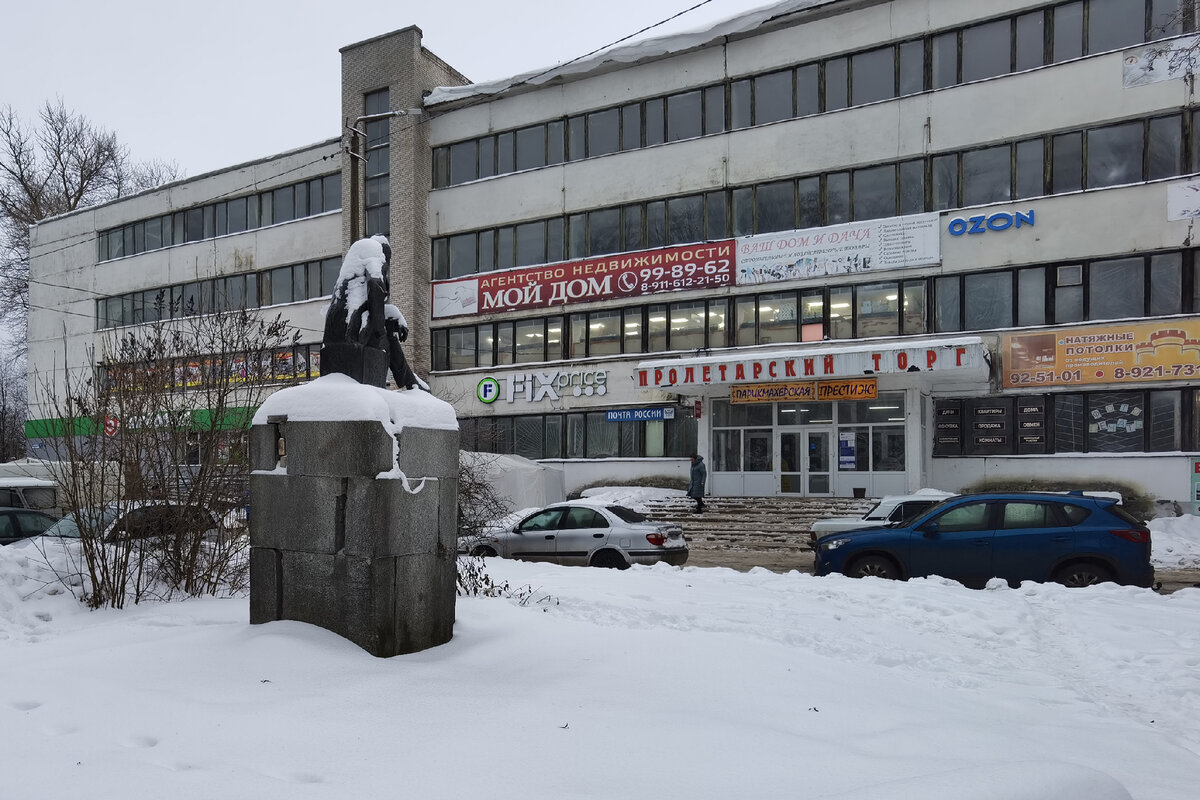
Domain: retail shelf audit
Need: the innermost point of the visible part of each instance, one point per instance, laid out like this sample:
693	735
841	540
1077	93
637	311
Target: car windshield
68	526
627	514
875	513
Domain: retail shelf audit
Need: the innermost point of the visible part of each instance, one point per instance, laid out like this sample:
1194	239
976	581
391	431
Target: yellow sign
772	392
852	389
1132	353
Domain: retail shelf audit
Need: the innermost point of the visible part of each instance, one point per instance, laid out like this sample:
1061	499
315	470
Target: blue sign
999	221
639	414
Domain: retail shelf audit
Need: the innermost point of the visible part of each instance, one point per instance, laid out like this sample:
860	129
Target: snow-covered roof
643	50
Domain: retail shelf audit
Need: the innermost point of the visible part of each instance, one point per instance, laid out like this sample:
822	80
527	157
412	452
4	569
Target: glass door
818	477
791	471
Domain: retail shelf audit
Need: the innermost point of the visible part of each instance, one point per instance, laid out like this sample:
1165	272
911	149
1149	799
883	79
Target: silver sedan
580	533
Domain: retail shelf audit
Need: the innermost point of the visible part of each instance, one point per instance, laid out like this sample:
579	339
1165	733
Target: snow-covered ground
649	683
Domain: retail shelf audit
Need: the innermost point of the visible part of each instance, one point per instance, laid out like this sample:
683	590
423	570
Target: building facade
837	247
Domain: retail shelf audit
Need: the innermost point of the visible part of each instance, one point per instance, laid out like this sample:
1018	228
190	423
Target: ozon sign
538	385
1000	221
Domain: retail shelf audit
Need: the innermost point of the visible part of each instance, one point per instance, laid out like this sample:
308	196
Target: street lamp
355	157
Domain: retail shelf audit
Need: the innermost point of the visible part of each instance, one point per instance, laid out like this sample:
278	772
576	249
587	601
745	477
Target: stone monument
353	488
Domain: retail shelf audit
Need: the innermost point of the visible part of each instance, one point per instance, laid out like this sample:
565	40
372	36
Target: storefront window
805	413
758	450
531	340
727	451
1115	422
656	329
777	318
887	449
915	318
841	313
602	436
687	325
1166	423
989	300
888	407
854	453
878	307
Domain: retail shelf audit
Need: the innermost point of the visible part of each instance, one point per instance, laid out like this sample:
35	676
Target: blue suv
1072	539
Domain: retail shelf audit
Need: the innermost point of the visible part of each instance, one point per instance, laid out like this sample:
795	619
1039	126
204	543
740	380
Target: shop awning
966	356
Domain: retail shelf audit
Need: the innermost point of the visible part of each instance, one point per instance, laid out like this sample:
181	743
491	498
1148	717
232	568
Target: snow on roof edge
628	53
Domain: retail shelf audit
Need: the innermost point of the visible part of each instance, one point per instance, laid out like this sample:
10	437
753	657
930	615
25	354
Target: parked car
1072	539
35	493
21	523
889	510
140	520
580	533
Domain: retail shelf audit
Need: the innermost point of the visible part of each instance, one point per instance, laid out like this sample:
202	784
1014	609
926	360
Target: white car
583	533
890	509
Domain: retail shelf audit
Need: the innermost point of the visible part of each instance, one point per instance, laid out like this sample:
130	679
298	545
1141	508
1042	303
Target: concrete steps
753	523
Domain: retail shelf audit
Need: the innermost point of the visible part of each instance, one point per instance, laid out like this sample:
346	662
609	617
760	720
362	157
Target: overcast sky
209	85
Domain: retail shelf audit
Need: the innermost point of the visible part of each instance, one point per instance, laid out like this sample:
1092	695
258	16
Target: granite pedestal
333	545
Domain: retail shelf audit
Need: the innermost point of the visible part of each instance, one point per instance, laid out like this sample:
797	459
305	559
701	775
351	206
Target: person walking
699	478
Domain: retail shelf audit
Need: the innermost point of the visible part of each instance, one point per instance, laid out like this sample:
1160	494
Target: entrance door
818	477
805	462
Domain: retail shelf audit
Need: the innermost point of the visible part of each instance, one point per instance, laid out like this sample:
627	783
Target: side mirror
930	529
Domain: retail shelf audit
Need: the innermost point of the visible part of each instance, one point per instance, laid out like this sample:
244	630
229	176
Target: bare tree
154	444
62	163
12	408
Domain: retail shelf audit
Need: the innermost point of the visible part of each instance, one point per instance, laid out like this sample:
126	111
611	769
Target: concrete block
265	586
361	448
262	453
384	519
426	582
426	451
290	512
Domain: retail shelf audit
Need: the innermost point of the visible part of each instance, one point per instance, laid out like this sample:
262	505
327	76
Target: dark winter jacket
699	477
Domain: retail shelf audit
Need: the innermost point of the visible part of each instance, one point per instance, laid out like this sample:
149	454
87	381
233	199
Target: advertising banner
669	269
1136	352
856	247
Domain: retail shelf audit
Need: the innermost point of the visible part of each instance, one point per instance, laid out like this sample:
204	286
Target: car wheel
609	559
873	567
483	552
1082	574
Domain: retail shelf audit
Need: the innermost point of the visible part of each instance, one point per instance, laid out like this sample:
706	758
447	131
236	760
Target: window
837	87
987	175
1116	288
1114	155
988	300
985	50
1113	24
875	192
874	75
684	119
777	318
968	517
878	309
1029	515
808	93
1115	422
603	131
773	97
776	207
531	147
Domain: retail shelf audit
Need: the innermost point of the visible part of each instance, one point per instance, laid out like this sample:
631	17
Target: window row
1125	421
288	284
295	201
1109	155
579	435
1033	39
1154	285
283	365
377	183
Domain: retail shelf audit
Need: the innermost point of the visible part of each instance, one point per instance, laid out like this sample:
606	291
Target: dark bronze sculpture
363	331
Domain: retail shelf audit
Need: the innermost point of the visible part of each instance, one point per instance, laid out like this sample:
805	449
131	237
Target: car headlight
834	544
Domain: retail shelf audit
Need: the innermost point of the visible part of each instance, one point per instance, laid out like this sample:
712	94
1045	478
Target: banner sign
697	372
1132	353
1162	61
855	389
856	247
639	414
821	391
670	269
1183	200
773	392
